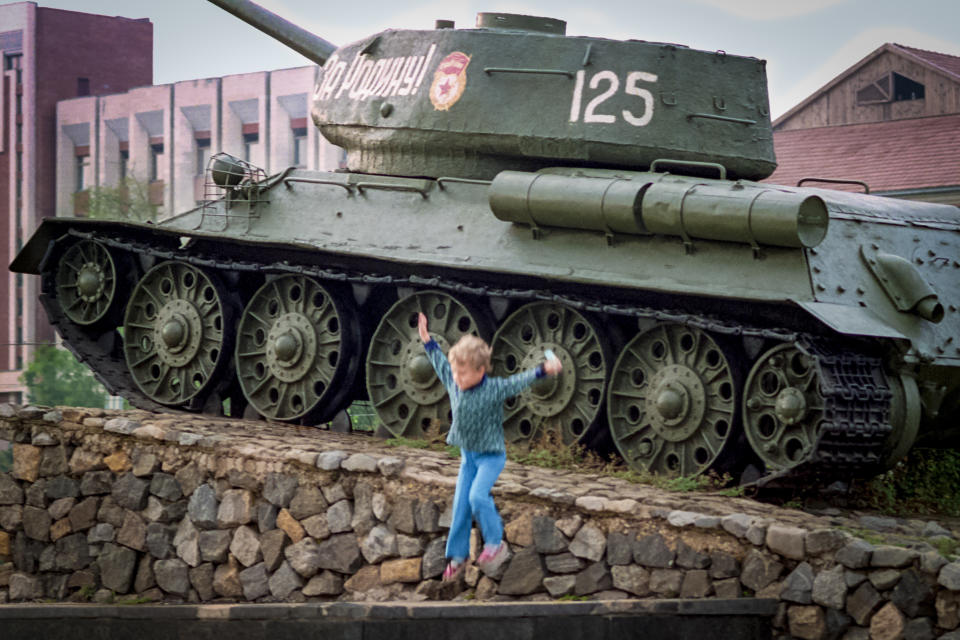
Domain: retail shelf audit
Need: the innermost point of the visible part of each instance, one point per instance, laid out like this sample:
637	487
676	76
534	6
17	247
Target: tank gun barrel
300	40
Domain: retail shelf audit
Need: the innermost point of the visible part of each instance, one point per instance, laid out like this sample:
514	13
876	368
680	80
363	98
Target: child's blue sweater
478	411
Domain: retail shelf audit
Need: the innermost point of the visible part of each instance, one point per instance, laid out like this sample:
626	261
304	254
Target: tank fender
854	321
903	284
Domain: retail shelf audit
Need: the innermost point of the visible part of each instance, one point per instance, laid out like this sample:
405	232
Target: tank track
856	415
853	384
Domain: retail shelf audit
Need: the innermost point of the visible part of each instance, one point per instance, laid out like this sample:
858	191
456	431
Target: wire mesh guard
232	188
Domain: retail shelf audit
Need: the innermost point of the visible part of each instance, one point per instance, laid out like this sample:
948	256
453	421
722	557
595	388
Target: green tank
597	198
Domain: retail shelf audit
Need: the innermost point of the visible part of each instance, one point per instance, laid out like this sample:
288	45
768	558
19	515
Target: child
476	402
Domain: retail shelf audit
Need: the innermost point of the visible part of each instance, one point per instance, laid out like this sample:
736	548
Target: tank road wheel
403	387
671	405
783	407
296	350
177	334
567	405
86	282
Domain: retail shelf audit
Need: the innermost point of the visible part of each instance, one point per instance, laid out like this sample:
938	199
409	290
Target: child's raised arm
422	327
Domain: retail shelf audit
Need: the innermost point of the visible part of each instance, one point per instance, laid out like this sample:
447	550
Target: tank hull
378	243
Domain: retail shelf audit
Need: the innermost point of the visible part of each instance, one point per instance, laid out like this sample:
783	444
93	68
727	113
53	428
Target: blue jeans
472	501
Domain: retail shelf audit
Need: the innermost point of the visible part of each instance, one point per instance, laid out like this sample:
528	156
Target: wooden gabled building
892	121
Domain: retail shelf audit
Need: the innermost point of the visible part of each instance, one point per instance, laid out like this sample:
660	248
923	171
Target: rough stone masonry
132	506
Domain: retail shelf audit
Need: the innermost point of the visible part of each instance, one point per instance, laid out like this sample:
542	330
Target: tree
54	377
129	200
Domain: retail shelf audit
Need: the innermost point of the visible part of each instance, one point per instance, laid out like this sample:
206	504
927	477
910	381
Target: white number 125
613	85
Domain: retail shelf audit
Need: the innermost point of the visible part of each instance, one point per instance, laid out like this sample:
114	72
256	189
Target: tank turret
516	93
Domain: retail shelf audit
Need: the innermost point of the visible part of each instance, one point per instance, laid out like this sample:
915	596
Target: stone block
118	461
631	578
409	546
911	592
434	559
236	509
254	582
862	603
84	514
365	579
36	523
786	541
165	487
25	587
896	557
696	584
359	463
426	516
10	491
130	492
855	554
307	501
214	545
201	579
806	622
26	462
379	544
564	563
226	581
11	517
727	588
339	553
279	489
116	565
59	529
325	584
666	582
947	604
887	623
524	575
589	544
289	525
144	463
72	552
403	515
830	588
245	546
619	547
340	516
759	570
96	483
203	507
133	533
145	578
400	570
558	586
798	585
519	531
186	542
272	544
84	460
284	581
190	477
652	551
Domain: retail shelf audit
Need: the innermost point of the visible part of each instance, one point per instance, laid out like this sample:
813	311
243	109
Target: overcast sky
805	42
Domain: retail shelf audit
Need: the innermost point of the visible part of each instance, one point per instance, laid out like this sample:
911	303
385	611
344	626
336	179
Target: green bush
924	482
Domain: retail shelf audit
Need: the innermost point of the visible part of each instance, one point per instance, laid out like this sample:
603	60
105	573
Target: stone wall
111	506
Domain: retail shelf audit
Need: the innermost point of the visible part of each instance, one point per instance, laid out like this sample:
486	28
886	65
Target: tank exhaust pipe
300	40
655	203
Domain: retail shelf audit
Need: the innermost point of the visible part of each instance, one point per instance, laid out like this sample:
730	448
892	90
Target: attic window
890	87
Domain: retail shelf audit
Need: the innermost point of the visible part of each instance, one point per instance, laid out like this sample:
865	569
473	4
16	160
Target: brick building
891	120
47	55
163	135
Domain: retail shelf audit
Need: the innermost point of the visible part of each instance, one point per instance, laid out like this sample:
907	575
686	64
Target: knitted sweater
478	411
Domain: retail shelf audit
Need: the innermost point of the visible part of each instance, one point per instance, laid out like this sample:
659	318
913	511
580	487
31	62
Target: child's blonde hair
471	350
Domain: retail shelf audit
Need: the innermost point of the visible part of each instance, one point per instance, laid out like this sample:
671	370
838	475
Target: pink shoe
491	556
453	571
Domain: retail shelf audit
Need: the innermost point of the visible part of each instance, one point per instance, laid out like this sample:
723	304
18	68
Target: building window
250	143
156	162
300	147
203	155
124	163
890	87
83	86
82	166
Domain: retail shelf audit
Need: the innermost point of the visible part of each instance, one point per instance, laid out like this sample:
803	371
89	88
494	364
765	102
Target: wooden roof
942	63
889	156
